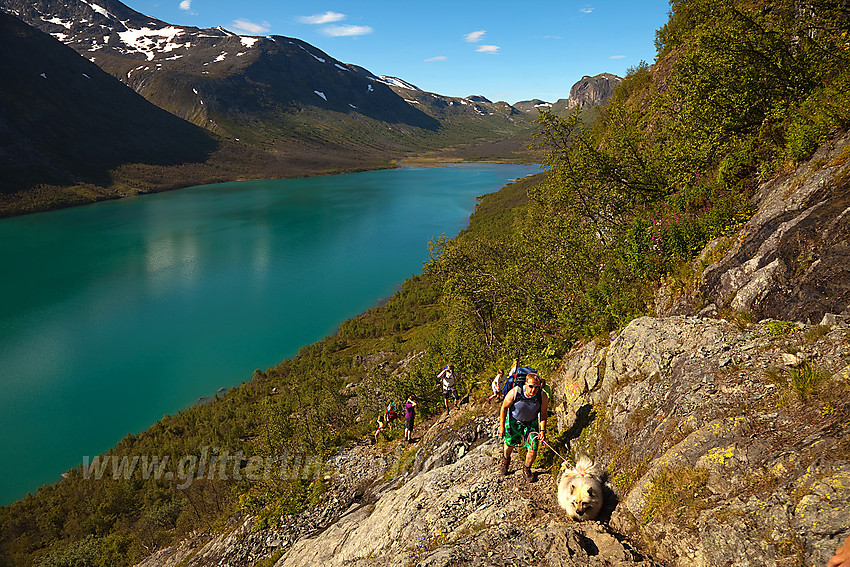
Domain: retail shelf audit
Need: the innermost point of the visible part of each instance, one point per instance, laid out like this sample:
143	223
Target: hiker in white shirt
449	376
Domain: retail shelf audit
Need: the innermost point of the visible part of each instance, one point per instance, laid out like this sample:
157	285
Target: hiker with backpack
385	419
522	420
449	377
496	386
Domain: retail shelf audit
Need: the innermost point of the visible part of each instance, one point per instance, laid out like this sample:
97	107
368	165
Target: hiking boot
526	471
504	463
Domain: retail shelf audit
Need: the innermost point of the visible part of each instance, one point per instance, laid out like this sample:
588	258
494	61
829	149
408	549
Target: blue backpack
516	378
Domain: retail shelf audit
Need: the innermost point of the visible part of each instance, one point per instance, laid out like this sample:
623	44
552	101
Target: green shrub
777	328
804	381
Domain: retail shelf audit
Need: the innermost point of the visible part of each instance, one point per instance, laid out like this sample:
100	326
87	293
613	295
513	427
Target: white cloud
346	30
586	9
488	49
245	26
617	57
325	18
474	37
186	5
437	58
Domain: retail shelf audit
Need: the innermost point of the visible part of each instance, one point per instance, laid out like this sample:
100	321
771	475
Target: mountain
200	74
584	94
592	91
272	107
59	109
274	92
533	105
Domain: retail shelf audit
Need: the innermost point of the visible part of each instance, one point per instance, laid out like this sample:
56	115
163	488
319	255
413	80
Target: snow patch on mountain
395	81
99	9
316	57
149	41
321	94
248	41
58	22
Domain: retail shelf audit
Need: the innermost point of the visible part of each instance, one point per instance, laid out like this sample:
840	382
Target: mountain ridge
276	107
138	49
35	124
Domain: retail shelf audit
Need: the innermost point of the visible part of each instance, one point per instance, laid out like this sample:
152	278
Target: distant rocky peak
593	91
586	93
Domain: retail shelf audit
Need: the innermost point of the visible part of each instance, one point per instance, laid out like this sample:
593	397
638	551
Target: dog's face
580	494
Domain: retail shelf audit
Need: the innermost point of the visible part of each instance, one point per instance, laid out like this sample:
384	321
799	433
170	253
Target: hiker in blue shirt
522	420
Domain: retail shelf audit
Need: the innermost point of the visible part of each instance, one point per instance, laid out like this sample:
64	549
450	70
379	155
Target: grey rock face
792	260
713	457
593	91
688	397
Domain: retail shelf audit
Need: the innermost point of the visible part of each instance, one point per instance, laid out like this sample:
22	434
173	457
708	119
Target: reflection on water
120	312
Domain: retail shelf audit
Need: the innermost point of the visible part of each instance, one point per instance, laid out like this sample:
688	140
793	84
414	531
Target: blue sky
503	50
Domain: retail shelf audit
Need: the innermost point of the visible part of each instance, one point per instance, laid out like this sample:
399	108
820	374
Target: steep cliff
791	260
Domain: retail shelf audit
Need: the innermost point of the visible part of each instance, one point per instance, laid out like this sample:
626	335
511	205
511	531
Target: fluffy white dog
580	491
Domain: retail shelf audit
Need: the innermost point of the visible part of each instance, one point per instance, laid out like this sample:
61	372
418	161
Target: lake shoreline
200	284
52	198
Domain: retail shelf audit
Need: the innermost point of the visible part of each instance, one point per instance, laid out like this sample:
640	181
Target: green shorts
517	432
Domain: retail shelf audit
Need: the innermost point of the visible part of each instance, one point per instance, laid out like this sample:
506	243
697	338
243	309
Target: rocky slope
791	260
721	452
726	441
714	460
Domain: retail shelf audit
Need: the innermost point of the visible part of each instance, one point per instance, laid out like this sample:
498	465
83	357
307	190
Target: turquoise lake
115	314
